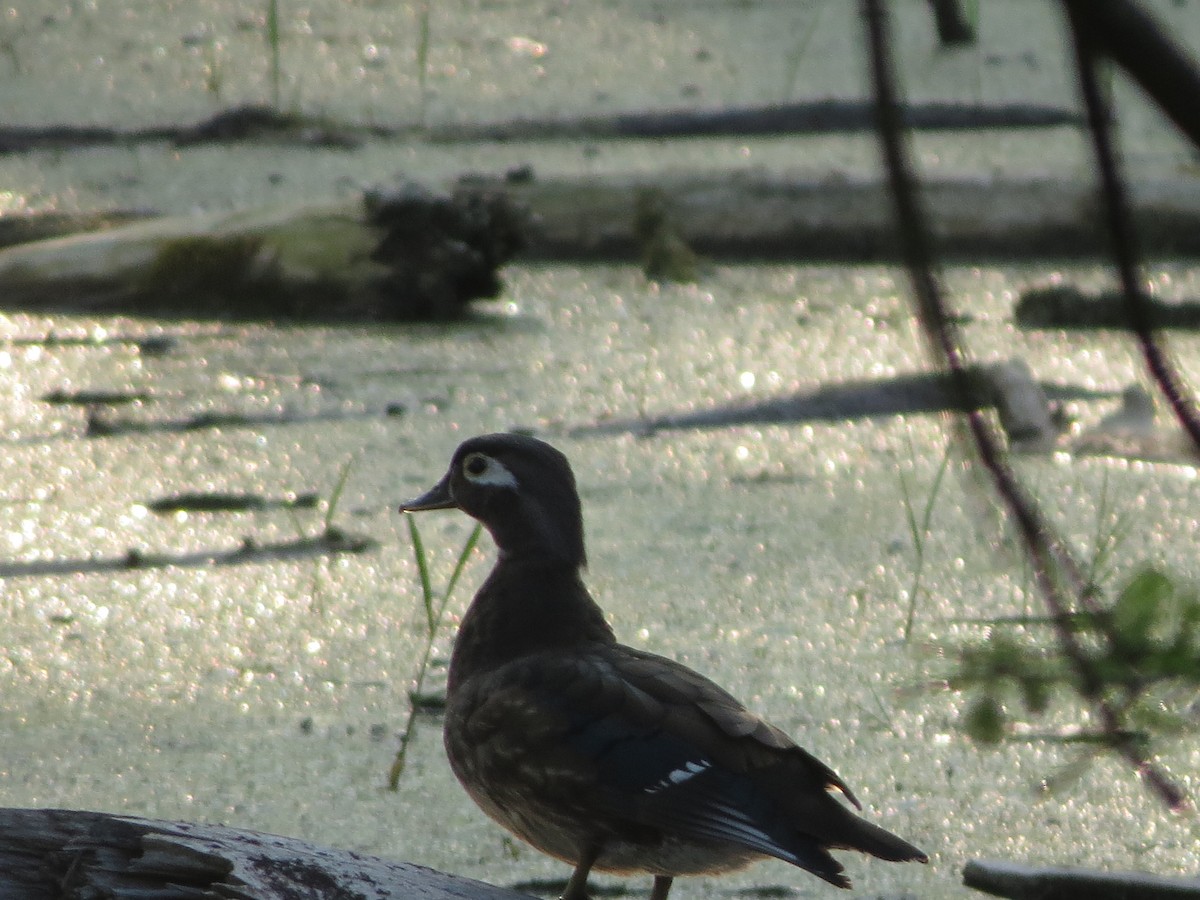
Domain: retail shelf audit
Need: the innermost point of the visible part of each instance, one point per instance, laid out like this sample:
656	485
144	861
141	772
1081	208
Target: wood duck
601	755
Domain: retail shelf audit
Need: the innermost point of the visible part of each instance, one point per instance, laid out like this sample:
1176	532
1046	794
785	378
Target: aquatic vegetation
1143	657
434	607
920	528
273	41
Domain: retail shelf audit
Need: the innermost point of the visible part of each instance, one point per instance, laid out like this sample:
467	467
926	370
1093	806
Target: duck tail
854	833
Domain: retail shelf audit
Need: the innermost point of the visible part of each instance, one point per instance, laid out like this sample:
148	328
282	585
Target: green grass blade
406	736
910	514
920	530
423	37
433	620
423	571
467	549
273	43
935	489
335	495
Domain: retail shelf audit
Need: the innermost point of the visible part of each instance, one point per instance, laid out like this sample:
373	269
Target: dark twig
940	330
1052	561
1125	256
953	25
1133	40
1118	217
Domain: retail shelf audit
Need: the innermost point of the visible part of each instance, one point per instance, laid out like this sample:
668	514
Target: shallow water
775	559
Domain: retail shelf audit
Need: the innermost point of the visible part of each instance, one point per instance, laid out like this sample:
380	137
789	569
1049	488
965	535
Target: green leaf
985	720
1140	608
1036	693
1157	719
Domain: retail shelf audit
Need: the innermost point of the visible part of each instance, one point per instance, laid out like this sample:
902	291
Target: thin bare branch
1118	217
1052	561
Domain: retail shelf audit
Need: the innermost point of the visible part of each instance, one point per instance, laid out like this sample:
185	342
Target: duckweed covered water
775	559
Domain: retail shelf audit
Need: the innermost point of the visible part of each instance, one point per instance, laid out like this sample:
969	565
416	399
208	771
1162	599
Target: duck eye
475	464
487	471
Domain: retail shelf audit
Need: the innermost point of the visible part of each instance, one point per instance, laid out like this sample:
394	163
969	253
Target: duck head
521	489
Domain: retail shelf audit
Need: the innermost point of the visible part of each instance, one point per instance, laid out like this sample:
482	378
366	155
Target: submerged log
756	215
415	254
57	854
395	256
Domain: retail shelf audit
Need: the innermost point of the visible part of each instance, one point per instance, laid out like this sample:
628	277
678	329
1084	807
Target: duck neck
525	607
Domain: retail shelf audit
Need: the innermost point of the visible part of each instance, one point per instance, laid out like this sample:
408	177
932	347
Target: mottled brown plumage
596	753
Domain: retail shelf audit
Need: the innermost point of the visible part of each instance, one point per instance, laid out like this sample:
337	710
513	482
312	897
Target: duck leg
577	885
662	886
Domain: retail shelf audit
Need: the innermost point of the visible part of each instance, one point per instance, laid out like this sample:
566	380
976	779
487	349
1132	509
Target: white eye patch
479	468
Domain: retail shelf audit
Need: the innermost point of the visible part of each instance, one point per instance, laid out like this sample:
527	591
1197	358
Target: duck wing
646	744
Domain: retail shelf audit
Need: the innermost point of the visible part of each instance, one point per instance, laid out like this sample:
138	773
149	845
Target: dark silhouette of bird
602	755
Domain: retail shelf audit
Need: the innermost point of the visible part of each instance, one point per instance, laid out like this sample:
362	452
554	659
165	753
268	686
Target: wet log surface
1001	878
399	255
753	215
54	854
414	253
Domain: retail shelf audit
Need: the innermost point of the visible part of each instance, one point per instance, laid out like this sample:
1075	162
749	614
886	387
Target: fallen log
62	854
391	256
754	215
415	254
1001	878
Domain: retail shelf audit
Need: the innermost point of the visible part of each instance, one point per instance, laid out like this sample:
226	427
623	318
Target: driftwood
392	256
1019	882
756	215
415	254
27	226
54	854
1030	412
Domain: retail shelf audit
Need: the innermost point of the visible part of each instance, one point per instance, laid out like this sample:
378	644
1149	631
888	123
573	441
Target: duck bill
437	497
